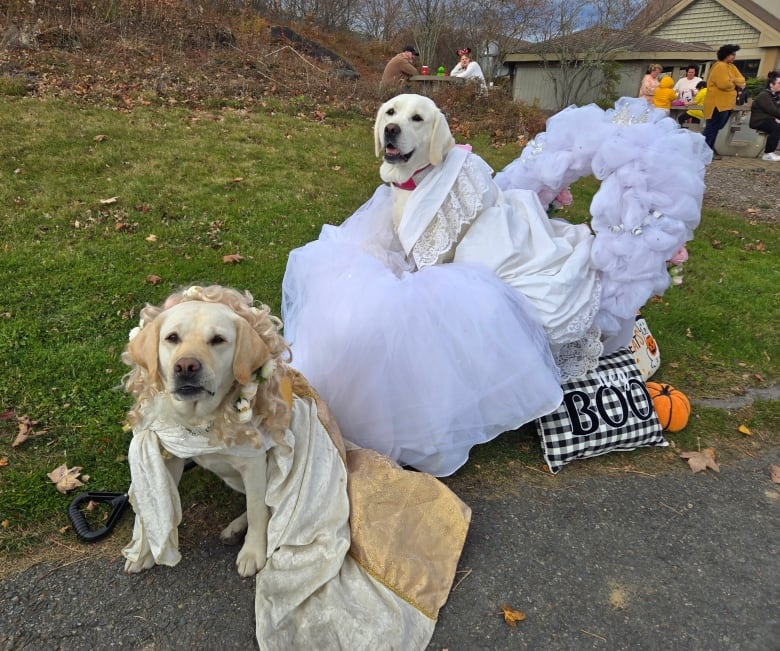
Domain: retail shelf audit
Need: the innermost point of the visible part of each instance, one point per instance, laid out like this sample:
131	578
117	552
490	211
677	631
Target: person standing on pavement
765	115
723	82
399	69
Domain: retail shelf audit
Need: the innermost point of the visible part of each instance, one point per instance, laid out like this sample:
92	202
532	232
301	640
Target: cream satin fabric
458	213
357	560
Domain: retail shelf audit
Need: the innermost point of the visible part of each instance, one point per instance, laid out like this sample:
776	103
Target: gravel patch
744	186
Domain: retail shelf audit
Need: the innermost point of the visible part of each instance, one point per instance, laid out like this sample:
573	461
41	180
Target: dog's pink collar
409	184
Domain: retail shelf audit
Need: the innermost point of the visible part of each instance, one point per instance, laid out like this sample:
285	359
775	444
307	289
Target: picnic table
734	139
426	84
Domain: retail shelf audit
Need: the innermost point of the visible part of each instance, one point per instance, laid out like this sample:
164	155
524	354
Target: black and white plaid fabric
608	410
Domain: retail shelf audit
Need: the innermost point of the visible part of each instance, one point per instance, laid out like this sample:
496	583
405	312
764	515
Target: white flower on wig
134	332
268	369
244	409
193	292
244	402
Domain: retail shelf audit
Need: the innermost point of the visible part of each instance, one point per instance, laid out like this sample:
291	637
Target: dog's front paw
234	532
251	559
144	562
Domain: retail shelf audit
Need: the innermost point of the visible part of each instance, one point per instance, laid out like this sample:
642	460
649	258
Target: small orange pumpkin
671	406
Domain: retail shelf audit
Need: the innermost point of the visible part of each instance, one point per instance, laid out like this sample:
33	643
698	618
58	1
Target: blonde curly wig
271	411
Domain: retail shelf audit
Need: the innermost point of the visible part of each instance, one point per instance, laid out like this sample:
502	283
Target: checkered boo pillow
607	410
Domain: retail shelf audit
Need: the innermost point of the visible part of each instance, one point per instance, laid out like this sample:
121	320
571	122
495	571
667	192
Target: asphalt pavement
630	561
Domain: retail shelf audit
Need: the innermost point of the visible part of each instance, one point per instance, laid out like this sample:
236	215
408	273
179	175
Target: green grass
193	187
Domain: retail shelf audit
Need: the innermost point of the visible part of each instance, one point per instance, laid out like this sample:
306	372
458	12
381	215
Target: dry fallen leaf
25	430
699	461
66	479
99	138
512	616
153	280
5	524
151	237
106	202
744	429
774	473
3	462
233	257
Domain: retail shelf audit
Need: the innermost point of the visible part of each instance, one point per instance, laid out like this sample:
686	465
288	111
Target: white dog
194	362
411	134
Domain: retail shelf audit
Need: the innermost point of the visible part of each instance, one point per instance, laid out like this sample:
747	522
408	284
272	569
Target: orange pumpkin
671	406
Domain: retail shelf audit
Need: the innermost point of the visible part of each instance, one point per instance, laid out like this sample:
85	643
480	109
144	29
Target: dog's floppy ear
143	348
379	145
441	139
250	353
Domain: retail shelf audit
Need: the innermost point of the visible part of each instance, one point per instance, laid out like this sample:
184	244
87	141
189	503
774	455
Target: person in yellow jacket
695	116
665	94
722	85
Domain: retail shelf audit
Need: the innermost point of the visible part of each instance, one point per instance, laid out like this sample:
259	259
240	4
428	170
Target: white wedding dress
460	324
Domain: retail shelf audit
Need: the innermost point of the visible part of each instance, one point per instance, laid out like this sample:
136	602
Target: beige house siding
686	31
708	22
532	83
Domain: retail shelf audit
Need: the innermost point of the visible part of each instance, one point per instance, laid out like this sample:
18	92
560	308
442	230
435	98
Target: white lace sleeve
472	190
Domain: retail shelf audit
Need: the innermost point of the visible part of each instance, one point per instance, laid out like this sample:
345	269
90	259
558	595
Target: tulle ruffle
420	366
649	202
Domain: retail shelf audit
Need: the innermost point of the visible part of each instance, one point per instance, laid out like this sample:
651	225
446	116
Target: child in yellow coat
664	95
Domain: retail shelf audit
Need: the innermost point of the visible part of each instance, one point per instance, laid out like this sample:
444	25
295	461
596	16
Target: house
672	33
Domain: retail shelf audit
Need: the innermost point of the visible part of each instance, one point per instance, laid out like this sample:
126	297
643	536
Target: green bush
755	85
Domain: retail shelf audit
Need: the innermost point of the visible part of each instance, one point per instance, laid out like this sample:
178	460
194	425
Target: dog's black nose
186	367
392	129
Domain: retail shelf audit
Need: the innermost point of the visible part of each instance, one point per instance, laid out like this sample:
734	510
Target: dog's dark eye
391	111
217	339
417	117
172	338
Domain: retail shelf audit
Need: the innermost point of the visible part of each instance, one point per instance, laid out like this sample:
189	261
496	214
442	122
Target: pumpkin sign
671	406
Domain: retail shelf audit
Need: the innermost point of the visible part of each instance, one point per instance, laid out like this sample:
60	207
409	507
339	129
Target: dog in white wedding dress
451	306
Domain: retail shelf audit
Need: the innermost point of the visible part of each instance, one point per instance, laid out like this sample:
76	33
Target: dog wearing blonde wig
210	365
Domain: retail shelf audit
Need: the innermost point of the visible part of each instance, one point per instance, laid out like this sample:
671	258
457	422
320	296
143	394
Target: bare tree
493	28
577	41
379	19
429	17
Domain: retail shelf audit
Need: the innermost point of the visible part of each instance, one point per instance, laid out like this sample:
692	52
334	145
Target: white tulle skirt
421	365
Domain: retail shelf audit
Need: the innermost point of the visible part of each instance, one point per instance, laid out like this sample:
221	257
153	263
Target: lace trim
576	358
463	204
578	326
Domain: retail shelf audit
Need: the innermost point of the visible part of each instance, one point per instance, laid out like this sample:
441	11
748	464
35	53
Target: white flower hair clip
244	401
193	292
267	369
249	391
135	331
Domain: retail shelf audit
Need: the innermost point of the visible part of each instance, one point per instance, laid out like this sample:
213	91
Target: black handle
118	502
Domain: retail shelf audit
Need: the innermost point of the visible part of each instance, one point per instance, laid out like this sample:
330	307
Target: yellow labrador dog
411	134
209	385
